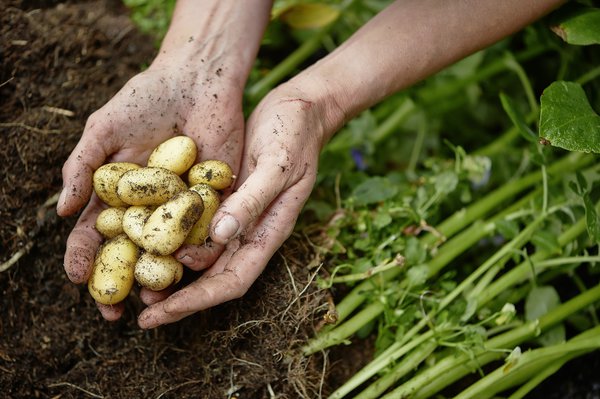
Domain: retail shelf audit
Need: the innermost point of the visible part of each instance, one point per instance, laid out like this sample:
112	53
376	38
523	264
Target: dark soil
60	62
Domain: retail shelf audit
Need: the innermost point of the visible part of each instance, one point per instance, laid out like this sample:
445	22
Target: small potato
168	226
211	200
109	222
217	174
149	186
113	273
134	219
176	154
157	272
105	181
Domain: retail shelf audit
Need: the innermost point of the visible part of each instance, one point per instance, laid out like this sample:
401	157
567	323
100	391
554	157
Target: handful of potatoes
152	212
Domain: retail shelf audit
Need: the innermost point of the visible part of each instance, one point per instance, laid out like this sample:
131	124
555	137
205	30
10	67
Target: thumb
248	203
89	154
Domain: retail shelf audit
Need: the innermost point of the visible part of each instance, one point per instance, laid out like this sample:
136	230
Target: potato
109	222
215	173
134	219
105	181
157	272
177	154
211	200
149	186
113	273
168	226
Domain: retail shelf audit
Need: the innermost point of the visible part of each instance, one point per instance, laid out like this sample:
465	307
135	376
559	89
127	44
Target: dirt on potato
60	61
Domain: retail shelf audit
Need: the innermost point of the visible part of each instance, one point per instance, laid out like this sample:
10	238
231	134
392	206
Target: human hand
204	104
284	136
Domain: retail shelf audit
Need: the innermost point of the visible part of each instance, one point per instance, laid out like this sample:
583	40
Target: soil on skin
60	62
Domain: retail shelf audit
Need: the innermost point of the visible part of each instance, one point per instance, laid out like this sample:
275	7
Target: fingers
250	200
237	268
89	154
111	312
150	297
82	244
199	257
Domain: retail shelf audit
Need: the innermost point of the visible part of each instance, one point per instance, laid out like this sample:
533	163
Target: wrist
220	37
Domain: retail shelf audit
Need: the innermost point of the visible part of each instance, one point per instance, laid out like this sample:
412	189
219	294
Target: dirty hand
194	87
284	136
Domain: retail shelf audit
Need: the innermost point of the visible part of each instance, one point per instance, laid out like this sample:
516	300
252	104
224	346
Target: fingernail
185	259
227	227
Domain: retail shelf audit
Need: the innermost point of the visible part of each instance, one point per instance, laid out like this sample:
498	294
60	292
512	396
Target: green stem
477	210
418	146
523	271
398	348
339	334
387	265
452	368
408	364
529	364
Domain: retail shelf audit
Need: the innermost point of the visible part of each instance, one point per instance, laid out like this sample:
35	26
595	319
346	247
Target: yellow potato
215	173
109	222
210	197
134	219
168	226
149	186
177	154
113	273
157	272
105	181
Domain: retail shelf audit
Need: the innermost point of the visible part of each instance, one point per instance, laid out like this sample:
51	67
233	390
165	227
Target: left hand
284	136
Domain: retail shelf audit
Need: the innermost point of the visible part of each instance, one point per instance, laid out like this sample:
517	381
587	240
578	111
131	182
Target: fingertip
225	229
78	263
148	319
111	312
149	297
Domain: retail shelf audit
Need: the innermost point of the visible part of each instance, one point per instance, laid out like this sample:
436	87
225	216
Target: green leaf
539	302
446	182
309	16
372	190
591	218
579	26
547	241
507	228
517	118
567	119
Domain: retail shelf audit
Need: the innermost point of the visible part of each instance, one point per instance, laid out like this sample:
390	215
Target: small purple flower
358	158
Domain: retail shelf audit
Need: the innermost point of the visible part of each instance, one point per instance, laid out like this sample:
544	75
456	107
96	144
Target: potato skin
168	226
113	273
109	222
177	154
149	186
105	181
215	173
134	219
157	272
211	200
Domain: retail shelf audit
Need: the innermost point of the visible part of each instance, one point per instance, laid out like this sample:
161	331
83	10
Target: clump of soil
60	62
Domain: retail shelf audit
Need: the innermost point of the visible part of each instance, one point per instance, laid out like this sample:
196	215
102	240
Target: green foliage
450	223
151	16
567	119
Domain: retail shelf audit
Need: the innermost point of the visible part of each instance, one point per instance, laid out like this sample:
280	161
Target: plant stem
529	364
465	216
452	368
523	271
398	348
408	364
